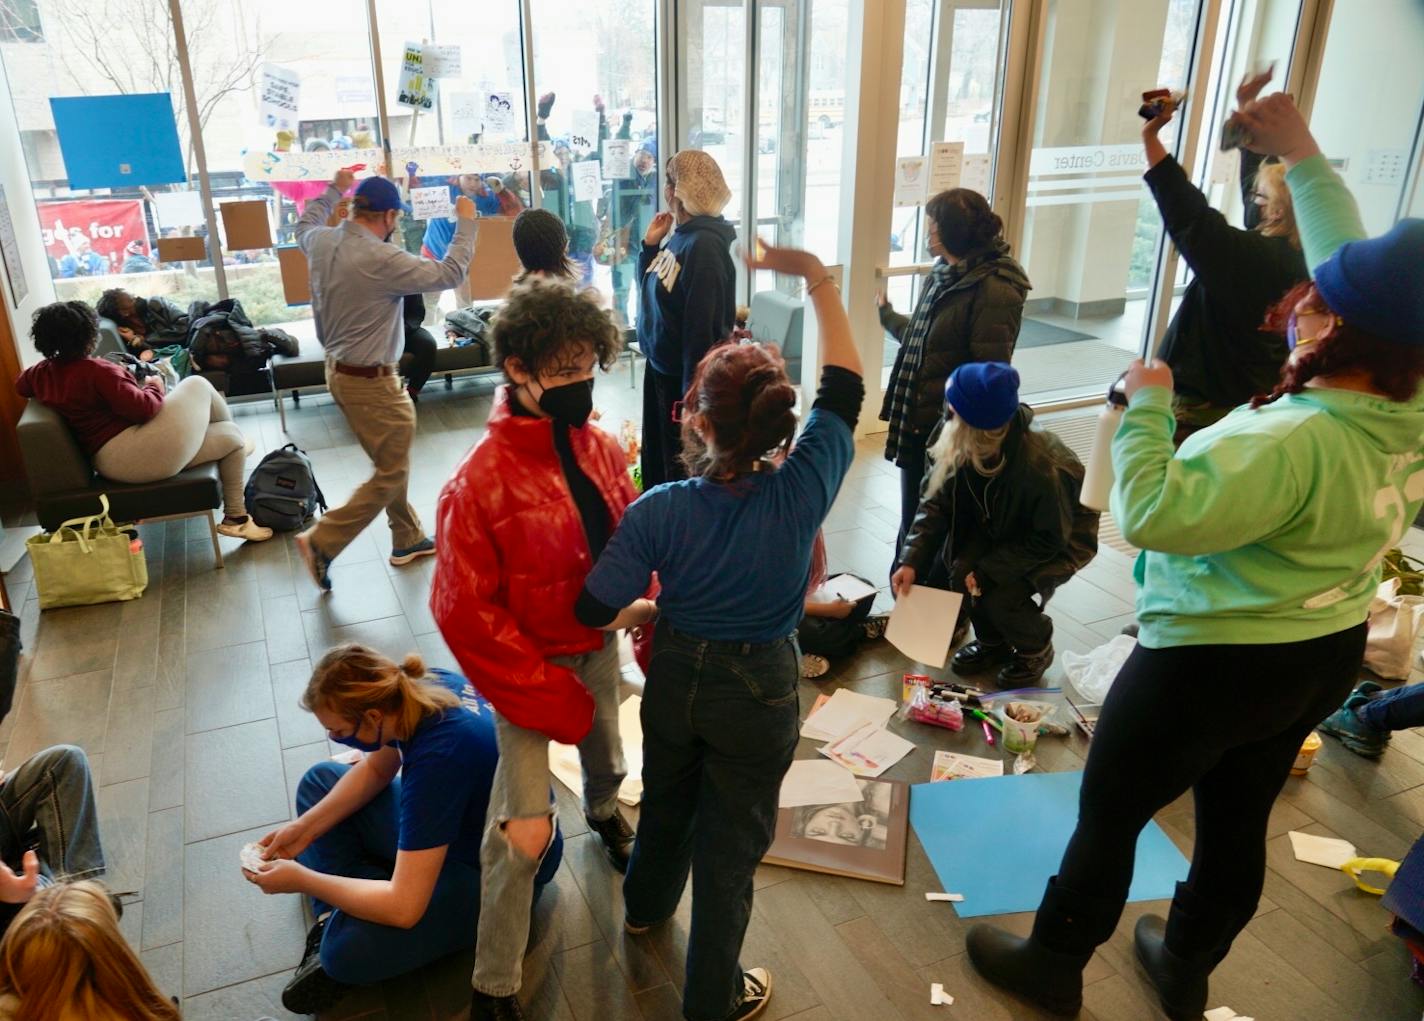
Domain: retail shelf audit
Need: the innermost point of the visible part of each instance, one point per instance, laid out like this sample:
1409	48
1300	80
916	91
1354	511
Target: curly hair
744	400
542	319
1394	370
964	221
65	330
108	304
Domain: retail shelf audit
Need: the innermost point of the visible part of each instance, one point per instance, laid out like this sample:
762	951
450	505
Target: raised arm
837	343
318	210
405	273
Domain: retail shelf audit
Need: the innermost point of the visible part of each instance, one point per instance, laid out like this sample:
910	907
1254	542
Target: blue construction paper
118	141
997	840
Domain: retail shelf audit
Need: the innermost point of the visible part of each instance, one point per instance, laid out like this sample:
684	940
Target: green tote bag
88	560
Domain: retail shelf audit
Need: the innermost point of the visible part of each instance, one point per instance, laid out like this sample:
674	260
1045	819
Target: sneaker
874	626
1354	733
246	530
980	657
617	837
424	548
311	989
495	1008
813	666
1368	689
756	994
1026	668
317	562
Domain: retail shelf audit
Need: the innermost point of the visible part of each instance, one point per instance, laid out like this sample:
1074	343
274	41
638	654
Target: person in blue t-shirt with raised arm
731	547
391	863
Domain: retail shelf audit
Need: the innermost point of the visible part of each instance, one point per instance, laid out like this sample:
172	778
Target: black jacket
1035	529
976	320
1214	344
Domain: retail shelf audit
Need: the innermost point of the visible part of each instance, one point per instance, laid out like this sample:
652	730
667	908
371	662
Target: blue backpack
281	493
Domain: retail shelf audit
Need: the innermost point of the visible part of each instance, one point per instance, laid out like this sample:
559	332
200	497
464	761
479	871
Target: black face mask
570	404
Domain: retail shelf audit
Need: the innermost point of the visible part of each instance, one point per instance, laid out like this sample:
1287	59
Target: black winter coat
1034	529
1214	344
976	320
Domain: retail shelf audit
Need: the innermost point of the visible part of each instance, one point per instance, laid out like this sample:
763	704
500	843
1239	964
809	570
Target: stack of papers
953	766
816	782
868	750
845	711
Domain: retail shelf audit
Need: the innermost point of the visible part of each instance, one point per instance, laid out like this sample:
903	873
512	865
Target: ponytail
743	399
351	678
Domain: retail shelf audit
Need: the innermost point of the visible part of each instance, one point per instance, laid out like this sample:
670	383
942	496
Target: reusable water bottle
1098	480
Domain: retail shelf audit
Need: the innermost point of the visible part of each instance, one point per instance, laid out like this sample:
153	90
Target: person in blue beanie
999	510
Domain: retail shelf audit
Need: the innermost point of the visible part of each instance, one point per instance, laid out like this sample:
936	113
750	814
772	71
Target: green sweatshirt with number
1270	525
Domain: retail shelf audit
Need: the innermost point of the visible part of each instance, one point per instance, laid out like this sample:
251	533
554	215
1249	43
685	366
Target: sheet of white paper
583	137
442	61
843	711
179	208
849	588
617	159
938	997
588	182
946	166
1327	851
952	898
430	203
922	624
1225	1014
910	177
466	113
974	174
499	112
868	750
564	758
816	782
953	766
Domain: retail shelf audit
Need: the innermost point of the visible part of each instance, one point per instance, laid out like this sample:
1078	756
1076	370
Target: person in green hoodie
1262	539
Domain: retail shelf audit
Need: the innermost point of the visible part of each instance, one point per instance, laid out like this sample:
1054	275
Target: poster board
495	264
140	140
10	252
182	249
246	224
279	98
296	281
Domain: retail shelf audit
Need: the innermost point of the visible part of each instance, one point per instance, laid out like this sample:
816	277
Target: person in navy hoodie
688	301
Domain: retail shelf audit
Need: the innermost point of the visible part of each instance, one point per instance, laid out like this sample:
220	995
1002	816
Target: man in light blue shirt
358	282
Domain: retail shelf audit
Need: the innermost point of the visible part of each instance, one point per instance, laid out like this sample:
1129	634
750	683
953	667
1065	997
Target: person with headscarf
688	300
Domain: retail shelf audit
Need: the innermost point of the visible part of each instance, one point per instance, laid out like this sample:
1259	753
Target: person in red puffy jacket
521	523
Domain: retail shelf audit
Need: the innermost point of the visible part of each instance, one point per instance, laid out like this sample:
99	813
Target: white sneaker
248	531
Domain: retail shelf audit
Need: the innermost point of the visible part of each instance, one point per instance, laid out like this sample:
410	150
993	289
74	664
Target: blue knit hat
984	394
1374	284
378	195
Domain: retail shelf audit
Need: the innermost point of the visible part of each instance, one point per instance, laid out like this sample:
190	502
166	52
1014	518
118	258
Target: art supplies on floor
953	766
935	710
564	760
922	624
868	750
1085	713
817	782
843	712
998	839
863	839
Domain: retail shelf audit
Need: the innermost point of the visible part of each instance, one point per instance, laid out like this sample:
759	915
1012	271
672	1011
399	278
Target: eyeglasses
1293	336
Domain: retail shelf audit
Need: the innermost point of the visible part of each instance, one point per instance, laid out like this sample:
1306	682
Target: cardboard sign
430	203
910	180
278	99
246	224
466	112
588	181
296	280
499	113
946	166
182	249
442	61
495	265
617	159
416	89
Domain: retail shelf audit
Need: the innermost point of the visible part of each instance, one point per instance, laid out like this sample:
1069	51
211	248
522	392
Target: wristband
827	279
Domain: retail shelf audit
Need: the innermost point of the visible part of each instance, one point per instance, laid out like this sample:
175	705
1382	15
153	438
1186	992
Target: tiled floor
186	702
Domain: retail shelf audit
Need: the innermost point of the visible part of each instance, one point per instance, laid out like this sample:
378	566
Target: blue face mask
352	741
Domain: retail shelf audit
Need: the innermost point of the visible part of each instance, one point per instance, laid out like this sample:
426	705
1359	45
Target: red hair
743	401
1394	370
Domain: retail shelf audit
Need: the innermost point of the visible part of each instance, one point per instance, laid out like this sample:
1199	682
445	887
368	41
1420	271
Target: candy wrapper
924	706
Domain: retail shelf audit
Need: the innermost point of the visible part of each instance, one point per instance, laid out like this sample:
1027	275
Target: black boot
1047	968
495	1008
1179	955
1181	984
1026	668
617	837
980	657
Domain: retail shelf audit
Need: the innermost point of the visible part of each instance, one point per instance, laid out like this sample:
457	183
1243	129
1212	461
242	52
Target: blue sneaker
424	548
1354	733
317	562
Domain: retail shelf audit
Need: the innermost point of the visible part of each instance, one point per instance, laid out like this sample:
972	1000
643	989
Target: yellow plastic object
1355	866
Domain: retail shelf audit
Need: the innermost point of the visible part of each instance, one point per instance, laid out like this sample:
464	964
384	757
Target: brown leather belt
364	371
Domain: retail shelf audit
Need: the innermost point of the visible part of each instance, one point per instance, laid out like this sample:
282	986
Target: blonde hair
64	959
351	679
1278	211
959	444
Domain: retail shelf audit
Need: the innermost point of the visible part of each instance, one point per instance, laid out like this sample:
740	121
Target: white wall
15	177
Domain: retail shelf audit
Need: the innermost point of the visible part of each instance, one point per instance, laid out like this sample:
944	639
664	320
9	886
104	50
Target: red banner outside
108	225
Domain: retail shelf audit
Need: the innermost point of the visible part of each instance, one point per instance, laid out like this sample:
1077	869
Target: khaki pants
382	416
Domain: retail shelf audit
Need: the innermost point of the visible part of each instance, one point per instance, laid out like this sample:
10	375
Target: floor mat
1034	333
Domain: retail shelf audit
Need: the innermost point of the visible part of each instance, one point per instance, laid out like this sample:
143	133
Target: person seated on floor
831	627
1000	510
391	863
52	794
420	346
133	431
1371	713
143	323
64	957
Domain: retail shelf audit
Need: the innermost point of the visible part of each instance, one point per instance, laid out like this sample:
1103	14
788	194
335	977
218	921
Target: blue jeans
363	846
719	732
1395	710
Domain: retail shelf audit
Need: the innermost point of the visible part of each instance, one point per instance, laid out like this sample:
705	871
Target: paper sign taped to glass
493	157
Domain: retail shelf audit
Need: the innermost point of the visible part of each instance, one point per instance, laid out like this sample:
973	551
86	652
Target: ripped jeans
521	791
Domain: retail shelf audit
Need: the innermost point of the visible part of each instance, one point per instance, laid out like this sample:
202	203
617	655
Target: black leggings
1226	722
419	359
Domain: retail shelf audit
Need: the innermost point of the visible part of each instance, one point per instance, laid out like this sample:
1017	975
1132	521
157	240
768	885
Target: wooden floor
186	703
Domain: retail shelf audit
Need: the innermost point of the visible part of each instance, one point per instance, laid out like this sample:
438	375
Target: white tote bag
1395	621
